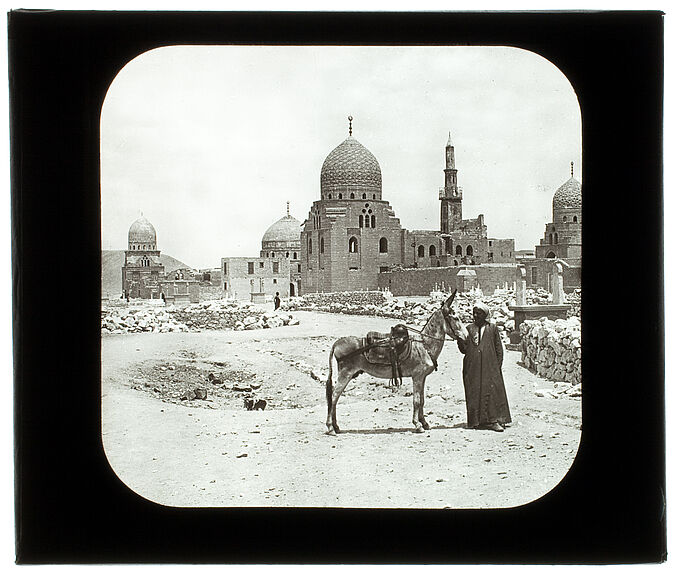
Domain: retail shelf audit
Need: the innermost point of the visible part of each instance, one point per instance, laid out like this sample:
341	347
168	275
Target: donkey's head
453	325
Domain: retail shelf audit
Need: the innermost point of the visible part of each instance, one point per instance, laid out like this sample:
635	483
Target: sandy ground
214	452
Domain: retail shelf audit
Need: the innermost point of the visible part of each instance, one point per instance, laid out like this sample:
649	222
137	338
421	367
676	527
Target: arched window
273	254
366	221
575	219
322	245
373	221
340	195
459	250
310	246
455	263
383	245
330	195
287	255
550	255
555	238
295	255
550	238
468	250
352	195
432	251
421	251
564	218
352	245
361	221
364	195
438	263
373	196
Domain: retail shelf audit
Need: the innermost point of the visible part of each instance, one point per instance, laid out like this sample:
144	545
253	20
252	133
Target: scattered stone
241	455
188	395
200	394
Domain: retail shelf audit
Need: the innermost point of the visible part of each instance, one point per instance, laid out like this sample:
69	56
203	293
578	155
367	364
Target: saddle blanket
380	354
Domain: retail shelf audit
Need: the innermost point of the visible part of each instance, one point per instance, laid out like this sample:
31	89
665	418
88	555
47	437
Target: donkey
422	360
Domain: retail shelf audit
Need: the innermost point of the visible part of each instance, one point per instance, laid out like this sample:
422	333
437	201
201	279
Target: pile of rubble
208	315
412	312
227	315
552	349
120	320
574	299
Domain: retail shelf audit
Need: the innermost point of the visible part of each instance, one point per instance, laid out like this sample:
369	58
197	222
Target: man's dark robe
485	398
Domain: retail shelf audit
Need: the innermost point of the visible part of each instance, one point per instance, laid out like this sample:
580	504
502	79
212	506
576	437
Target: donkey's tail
329	386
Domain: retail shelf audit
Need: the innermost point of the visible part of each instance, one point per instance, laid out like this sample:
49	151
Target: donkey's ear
450	299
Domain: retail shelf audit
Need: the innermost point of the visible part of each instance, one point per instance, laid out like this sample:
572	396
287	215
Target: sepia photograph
386	236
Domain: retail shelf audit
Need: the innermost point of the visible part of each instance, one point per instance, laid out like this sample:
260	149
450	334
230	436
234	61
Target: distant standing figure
164	300
485	398
277	300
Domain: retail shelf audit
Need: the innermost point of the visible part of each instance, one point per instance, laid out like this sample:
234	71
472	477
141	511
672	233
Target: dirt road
213	452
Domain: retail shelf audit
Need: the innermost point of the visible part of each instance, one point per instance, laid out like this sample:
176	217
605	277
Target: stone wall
552	349
420	282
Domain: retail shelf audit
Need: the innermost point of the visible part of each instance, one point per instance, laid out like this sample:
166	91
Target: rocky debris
209	315
151	319
552	349
414	313
194	394
252	403
213	379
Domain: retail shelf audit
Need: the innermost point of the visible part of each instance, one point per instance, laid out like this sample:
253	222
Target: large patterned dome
350	166
568	196
142	231
287	229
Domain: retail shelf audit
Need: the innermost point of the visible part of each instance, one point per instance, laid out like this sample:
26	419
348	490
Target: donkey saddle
389	348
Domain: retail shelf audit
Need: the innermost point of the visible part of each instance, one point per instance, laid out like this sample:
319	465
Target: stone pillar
521	286
557	284
466	280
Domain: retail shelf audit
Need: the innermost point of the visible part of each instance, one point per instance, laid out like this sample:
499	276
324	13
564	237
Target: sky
210	142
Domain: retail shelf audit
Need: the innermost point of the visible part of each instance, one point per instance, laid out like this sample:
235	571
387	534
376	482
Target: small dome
287	229
568	196
142	231
350	165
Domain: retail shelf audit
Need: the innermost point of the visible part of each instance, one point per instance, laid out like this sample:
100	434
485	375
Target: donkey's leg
421	410
418	382
343	377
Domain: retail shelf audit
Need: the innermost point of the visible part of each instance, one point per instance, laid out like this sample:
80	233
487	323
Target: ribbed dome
142	231
286	229
568	196
350	165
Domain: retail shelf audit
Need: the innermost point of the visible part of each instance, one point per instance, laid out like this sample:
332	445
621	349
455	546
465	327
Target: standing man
277	300
485	398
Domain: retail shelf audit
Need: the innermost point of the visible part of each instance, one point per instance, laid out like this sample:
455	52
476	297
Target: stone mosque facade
352	234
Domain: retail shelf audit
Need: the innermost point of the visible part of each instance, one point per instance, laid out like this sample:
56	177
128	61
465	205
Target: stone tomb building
142	270
277	269
562	240
352	236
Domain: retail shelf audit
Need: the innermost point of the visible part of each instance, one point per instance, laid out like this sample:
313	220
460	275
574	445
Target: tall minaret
451	209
